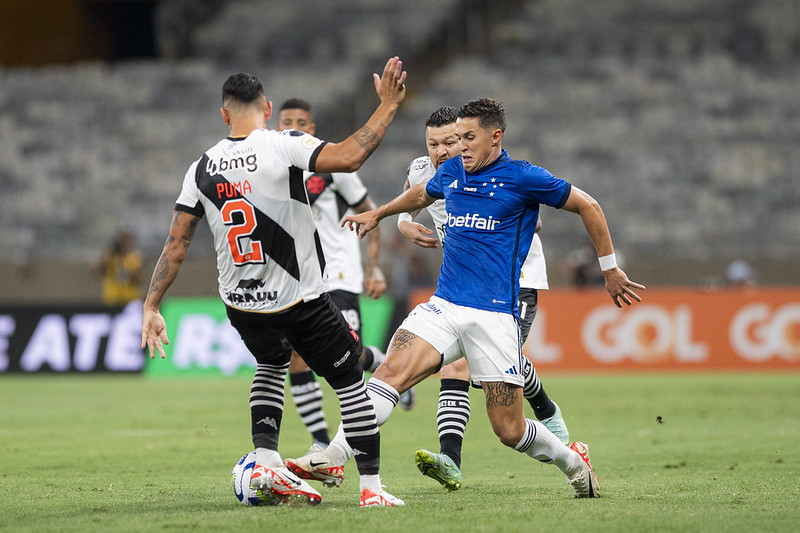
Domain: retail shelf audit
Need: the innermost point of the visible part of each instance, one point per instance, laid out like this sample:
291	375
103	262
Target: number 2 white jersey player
250	189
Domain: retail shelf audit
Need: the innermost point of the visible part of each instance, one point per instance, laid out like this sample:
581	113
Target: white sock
540	444
338	451
384	398
268	458
371	482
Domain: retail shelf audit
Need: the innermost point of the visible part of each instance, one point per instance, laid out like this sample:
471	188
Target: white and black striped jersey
251	191
332	196
420	171
534	269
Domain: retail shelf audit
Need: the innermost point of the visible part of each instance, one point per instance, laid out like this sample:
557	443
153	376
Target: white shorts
489	340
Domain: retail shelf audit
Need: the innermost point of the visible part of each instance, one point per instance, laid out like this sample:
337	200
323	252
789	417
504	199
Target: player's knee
344	376
392	373
509	433
509	438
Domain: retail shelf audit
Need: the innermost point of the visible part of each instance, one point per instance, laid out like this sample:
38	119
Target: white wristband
403	217
607	262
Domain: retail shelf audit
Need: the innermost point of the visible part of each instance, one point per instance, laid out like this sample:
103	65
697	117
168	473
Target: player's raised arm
350	154
181	232
617	283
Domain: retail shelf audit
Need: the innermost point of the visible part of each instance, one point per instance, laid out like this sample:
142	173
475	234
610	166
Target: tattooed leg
410	359
504	407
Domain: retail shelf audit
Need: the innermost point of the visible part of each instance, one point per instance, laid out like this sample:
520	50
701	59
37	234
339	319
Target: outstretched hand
362	223
620	287
390	86
154	332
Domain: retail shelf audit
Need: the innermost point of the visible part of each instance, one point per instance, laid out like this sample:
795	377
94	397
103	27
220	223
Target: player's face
296	119
442	143
478	147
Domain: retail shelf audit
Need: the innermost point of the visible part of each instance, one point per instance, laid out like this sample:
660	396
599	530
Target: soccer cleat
407	399
279	485
584	483
439	467
316	467
557	426
371	498
317	446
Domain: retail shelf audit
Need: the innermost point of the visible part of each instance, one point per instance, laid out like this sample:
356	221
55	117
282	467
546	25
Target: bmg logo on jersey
474	220
249	163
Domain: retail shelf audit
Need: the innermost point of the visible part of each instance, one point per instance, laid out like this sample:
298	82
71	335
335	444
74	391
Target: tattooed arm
350	154
180	236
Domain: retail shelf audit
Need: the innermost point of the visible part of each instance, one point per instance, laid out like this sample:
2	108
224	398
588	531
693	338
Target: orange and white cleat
370	498
316	467
283	486
585	482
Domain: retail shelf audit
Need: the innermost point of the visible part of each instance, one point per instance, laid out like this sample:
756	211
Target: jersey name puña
252	194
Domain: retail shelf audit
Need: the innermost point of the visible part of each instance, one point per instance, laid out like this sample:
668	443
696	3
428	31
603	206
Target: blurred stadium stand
682	118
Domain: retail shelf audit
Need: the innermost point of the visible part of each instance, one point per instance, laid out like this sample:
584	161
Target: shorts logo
344	358
430	308
512	371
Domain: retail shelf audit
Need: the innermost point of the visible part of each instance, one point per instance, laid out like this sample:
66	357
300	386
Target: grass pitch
673	453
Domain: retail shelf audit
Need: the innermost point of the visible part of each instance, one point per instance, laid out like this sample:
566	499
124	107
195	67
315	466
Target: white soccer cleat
317	446
584	483
557	426
283	486
316	467
370	498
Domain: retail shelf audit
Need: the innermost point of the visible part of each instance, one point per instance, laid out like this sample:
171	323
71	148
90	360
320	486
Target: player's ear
268	110
312	128
226	116
497	136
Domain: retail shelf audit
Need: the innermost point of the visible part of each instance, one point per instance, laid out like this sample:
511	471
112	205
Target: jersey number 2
239	231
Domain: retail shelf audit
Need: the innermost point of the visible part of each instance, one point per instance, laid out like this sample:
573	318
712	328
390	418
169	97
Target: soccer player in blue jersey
453	409
492	206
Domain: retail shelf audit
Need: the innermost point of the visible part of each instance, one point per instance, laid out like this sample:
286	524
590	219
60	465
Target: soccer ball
240	482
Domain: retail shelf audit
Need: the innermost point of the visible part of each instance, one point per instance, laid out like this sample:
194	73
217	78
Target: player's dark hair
491	114
441	117
296	103
242	88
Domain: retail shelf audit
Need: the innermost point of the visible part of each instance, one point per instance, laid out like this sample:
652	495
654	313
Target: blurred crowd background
682	118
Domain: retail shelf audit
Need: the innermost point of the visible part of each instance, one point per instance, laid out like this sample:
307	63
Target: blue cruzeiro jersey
491	218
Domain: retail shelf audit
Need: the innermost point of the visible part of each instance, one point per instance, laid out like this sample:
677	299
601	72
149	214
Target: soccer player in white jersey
492	208
454	408
249	186
332	196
